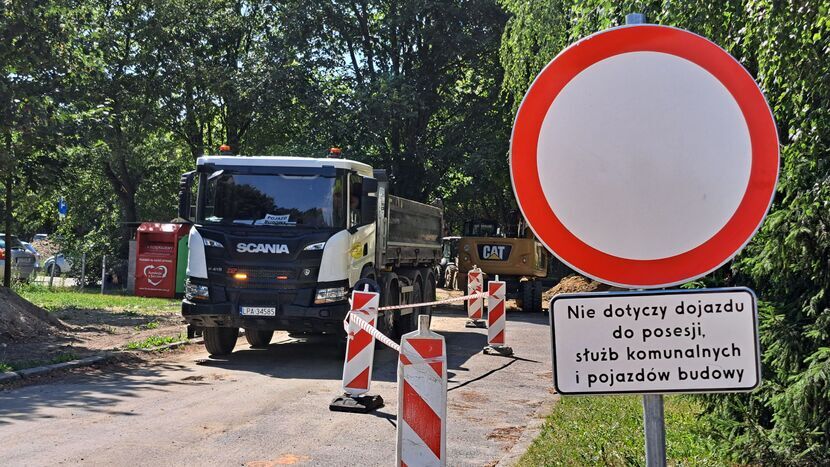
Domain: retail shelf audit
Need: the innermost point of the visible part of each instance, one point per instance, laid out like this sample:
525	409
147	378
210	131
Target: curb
529	434
172	345
8	377
12	376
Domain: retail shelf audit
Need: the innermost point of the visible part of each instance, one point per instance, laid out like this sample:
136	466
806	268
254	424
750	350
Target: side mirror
185	189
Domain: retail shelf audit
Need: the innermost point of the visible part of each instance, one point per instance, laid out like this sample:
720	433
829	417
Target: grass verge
608	430
155	341
57	299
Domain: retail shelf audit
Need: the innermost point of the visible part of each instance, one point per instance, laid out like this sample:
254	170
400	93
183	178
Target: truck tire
537	296
259	338
430	287
389	296
220	341
526	296
409	323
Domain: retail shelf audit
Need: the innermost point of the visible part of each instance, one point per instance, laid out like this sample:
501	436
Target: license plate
258	311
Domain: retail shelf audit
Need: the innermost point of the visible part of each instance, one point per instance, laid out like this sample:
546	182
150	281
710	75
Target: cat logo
494	252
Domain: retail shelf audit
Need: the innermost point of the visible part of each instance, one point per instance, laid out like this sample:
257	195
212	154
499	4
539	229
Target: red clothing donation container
155	265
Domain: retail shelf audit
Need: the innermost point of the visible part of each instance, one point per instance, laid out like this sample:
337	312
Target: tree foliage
106	102
148	85
785	45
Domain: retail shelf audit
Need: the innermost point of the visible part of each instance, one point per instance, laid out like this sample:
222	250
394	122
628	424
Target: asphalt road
270	407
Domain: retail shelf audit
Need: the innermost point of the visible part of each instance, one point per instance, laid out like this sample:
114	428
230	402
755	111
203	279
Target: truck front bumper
289	317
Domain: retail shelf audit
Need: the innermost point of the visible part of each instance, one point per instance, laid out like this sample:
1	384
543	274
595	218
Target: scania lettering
278	243
261	248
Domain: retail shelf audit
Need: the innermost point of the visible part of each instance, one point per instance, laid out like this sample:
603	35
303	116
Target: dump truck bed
413	232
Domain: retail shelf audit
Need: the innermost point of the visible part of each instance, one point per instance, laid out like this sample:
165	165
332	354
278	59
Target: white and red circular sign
644	156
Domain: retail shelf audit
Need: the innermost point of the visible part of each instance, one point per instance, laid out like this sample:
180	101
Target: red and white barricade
497	290
496	318
422	398
475	305
360	346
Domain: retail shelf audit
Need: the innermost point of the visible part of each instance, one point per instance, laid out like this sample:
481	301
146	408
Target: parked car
39	237
31	249
23	261
64	265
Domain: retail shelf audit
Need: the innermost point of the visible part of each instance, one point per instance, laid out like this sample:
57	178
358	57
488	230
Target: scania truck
278	243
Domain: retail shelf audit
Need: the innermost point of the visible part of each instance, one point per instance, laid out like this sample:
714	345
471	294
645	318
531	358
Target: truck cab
279	242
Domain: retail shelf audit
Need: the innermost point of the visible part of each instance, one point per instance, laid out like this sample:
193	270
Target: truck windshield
274	200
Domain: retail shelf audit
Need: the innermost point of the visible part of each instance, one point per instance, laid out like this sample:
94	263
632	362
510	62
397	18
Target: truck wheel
526	296
388	297
259	338
537	296
220	341
429	293
409	323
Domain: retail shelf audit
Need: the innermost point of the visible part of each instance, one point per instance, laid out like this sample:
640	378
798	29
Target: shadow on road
96	392
321	357
316	357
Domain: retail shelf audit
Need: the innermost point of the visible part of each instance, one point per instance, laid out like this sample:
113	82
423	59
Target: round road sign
644	156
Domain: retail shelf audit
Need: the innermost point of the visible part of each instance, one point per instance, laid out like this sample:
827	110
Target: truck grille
267	274
265	278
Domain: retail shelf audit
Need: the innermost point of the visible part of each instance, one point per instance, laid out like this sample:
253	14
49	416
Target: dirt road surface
269	406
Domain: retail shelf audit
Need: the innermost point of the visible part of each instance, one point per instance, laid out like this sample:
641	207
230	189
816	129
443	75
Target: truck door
362	245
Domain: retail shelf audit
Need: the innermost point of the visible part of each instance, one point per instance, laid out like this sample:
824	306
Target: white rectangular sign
655	342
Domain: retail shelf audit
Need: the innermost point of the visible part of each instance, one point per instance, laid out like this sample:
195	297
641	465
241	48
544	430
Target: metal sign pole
655	429
653	417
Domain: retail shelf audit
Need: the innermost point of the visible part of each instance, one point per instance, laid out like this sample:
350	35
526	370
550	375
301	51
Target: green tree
405	78
33	59
785	45
229	67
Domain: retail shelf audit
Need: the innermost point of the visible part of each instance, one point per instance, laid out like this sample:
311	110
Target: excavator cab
508	250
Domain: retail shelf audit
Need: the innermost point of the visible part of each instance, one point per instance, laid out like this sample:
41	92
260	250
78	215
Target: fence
106	273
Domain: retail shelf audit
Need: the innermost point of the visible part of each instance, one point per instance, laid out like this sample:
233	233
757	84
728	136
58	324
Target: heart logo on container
155	274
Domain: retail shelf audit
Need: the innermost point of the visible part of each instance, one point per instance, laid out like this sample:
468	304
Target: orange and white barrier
422	398
475	285
360	346
496	317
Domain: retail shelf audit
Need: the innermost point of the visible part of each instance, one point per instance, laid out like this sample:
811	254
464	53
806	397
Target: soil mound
575	284
20	319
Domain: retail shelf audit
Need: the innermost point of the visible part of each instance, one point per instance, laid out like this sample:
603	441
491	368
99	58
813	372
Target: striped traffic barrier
475	306
422	398
360	354
496	319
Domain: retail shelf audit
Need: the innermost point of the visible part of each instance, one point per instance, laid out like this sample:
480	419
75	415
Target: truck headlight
329	295
213	243
315	246
195	292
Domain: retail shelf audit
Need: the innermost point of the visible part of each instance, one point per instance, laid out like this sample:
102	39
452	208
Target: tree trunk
7	266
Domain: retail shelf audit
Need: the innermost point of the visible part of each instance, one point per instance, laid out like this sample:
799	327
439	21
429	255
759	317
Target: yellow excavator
510	251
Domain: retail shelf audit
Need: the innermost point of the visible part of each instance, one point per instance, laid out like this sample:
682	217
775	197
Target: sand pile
21	320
